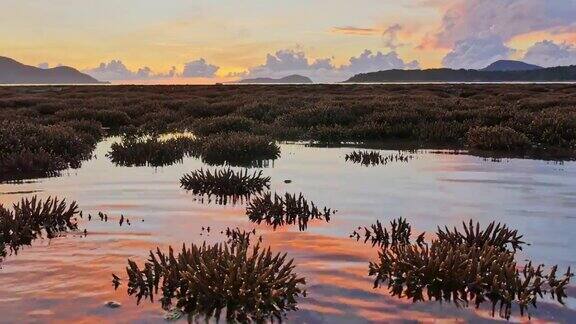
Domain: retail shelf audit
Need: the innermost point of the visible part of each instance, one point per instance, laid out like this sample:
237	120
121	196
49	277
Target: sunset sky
191	41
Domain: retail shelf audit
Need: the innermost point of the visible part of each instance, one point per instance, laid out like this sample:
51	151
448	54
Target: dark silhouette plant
246	282
470	267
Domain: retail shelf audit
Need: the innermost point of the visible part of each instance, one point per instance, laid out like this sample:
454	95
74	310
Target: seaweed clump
225	183
246	282
150	152
33	218
370	158
473	266
288	210
236	149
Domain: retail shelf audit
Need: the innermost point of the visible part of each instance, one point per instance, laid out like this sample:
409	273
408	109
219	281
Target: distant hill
509	65
554	74
13	72
295	78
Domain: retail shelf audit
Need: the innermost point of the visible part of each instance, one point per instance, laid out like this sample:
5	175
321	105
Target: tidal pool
68	279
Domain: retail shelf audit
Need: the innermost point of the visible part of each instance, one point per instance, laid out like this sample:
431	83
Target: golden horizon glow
236	37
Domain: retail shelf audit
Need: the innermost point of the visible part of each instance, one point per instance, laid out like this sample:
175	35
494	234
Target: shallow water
68	279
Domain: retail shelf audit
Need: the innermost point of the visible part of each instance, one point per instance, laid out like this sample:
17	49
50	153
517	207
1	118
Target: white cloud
286	62
477	53
548	54
369	62
115	70
199	69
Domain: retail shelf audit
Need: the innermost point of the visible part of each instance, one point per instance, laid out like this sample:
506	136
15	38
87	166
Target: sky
193	41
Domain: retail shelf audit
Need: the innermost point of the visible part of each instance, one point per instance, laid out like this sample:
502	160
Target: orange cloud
350	30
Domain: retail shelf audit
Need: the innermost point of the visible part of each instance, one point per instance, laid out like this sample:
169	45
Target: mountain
509	65
295	78
13	72
554	74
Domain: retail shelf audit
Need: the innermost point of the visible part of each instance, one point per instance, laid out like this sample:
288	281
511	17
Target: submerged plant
288	210
470	267
370	158
236	149
246	282
225	183
33	218
151	152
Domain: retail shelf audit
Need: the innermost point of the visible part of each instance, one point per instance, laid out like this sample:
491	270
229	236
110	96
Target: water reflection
225	185
289	209
68	279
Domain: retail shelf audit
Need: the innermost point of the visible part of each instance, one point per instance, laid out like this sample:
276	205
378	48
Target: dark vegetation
278	211
431	115
133	151
31	150
245	281
236	149
552	74
497	138
225	184
471	266
31	219
372	158
47	129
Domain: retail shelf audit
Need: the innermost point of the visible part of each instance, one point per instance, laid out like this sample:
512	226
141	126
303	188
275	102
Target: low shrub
225	124
108	118
497	138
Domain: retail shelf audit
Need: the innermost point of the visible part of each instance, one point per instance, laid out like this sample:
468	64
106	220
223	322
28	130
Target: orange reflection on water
69	279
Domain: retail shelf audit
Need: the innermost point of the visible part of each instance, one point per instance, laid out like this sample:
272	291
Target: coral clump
246	282
33	218
473	266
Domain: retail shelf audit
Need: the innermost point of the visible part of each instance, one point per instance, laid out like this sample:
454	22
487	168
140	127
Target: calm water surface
68	279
